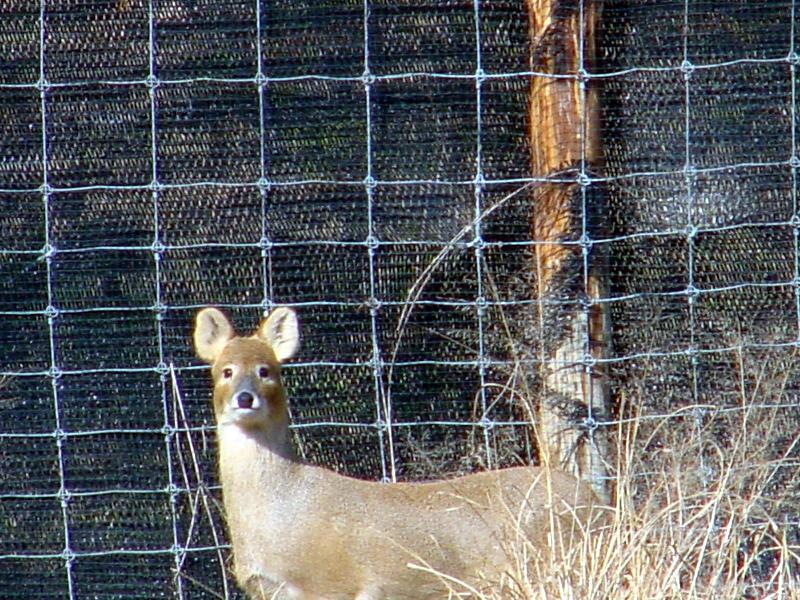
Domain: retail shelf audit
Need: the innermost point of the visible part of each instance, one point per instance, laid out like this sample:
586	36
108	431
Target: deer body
305	532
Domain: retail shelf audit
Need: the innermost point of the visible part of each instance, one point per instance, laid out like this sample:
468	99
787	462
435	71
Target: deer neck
259	474
255	464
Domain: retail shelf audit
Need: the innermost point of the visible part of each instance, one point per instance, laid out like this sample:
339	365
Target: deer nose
245	400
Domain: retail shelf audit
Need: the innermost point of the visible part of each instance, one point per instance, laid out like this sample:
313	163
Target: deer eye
227	373
263	372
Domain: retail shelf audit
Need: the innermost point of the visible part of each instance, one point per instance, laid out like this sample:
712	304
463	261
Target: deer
301	531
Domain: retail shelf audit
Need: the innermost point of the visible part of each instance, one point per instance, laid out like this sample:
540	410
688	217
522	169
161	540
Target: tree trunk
565	144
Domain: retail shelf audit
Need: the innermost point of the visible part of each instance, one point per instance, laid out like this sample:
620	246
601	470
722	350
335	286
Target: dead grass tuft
705	508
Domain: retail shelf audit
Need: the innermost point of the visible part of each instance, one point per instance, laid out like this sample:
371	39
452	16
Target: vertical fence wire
382	390
794	159
478	241
263	182
689	170
586	236
51	313
159	309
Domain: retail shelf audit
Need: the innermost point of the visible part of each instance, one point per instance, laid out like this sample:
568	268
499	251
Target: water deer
302	531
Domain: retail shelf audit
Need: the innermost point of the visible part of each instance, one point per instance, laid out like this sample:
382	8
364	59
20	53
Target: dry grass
694	517
679	538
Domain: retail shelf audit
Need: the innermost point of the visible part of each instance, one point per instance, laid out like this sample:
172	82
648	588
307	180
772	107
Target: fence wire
369	164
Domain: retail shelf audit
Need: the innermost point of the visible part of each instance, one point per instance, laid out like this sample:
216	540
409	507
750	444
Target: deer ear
281	331
212	331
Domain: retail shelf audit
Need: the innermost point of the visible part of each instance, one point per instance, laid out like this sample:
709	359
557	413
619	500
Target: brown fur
300	531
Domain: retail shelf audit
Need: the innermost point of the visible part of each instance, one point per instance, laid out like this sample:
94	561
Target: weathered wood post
565	142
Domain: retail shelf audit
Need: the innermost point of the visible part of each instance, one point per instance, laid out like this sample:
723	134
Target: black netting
156	157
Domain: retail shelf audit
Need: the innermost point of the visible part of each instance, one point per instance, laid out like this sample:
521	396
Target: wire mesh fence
369	163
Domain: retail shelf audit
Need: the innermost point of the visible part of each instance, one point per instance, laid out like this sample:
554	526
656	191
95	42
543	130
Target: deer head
248	391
